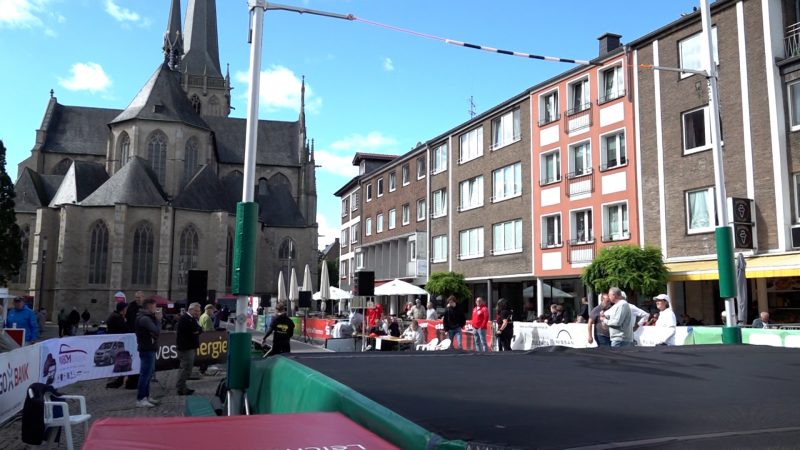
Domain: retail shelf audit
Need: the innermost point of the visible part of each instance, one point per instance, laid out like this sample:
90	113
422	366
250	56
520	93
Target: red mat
263	432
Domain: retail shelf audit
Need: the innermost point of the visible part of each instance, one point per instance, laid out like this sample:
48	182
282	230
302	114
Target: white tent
399	287
334	293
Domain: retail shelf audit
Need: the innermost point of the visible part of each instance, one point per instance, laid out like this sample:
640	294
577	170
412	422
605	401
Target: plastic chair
429	346
66	420
444	345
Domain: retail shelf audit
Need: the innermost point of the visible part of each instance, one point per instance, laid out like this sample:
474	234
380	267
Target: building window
98	254
345	206
368	226
24	239
506	129
124	148
362	167
691	52
142	267
229	260
369	192
700	211
471	144
195	103
471	243
420	167
439	203
187	253
507	237
796	198
392	182
287	256
343	239
794	105
615	222
439	248
405	214
580	159
263	187
354	232
406	177
548	108
696	130
379	223
343	269
392	218
359	260
613	150
550	167
551	231
507	182
579	96
582	226
471	193
190	159
420	210
157	155
439	159
354	201
613	84
380	187
213	106
412	249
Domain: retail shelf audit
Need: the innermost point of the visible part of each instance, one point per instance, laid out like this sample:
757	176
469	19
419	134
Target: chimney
608	43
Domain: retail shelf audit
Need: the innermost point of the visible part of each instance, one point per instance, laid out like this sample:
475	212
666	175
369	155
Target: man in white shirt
666	319
619	320
414	332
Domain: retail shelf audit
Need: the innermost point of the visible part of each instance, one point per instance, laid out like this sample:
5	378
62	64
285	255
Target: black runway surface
703	397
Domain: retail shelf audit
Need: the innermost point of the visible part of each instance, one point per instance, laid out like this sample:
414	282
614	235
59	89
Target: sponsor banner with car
68	360
18	369
213	350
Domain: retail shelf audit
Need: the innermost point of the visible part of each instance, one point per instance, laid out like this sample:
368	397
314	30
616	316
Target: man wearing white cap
666	318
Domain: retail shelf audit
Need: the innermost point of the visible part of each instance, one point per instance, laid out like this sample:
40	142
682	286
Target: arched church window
187	254
195	103
22	276
62	167
157	154
190	159
280	179
124	148
142	267
98	253
262	186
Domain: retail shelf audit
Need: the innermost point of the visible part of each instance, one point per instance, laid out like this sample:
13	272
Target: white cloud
327	234
388	65
337	158
22	13
373	142
280	89
124	14
86	77
341	165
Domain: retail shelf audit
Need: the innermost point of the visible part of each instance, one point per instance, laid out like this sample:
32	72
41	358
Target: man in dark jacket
283	328
116	325
187	341
147	331
453	321
74	321
130	318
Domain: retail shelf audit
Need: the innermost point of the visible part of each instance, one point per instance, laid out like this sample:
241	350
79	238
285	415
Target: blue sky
368	88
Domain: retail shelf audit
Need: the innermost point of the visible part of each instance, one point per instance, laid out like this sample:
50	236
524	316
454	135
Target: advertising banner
78	358
213	350
18	369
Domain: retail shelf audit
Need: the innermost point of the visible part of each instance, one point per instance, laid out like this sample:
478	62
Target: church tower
208	90
173	40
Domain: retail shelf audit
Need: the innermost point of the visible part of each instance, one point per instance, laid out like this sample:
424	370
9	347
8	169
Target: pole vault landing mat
715	396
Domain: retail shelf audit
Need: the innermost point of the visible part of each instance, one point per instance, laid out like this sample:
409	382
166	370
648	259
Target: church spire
173	40
302	118
202	47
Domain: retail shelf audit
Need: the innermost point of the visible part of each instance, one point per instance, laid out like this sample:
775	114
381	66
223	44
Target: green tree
11	254
631	268
447	284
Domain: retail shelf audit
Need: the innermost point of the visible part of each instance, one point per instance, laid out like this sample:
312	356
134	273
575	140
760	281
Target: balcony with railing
611	94
578	118
580	182
791	42
613	237
548	118
580	251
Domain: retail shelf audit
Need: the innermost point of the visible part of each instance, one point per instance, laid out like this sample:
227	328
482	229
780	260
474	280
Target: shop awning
764	266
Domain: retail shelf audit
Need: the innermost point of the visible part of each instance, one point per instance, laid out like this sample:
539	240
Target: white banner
71	359
530	335
18	369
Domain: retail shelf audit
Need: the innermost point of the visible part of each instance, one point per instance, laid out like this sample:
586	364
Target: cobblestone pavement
102	402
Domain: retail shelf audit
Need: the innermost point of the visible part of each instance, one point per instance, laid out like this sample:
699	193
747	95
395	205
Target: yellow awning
763	266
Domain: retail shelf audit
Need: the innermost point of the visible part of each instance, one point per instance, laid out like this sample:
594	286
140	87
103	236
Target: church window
195	103
287	257
280	179
262	186
187	254
124	148
190	159
22	276
157	154
142	268
213	106
98	254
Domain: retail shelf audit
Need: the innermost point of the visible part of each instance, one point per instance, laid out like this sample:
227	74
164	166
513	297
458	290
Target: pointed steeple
202	47
302	118
173	40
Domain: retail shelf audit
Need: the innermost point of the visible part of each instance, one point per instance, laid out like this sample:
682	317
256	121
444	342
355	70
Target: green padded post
731	335
239	361
725	264
244	249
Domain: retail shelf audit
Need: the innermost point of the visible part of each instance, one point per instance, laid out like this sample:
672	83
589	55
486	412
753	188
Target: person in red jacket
480	317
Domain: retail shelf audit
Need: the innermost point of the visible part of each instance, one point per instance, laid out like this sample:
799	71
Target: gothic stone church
126	200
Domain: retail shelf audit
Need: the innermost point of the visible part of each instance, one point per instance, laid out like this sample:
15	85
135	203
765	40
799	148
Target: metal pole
723	233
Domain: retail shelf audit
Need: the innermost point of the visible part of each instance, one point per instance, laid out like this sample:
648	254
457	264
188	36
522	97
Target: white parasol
294	292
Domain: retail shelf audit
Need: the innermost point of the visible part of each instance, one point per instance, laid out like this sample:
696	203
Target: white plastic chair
429	346
66	420
444	345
